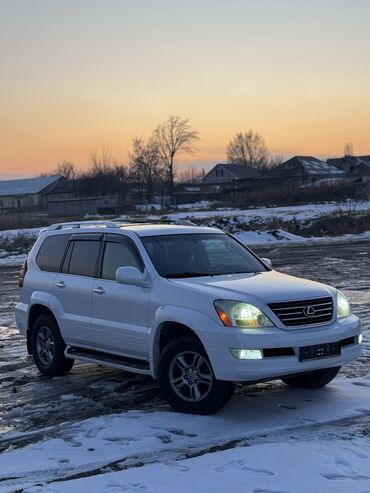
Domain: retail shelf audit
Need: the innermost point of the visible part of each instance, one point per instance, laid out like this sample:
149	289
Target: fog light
247	353
360	339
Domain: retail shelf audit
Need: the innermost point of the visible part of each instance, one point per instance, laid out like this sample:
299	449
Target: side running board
109	360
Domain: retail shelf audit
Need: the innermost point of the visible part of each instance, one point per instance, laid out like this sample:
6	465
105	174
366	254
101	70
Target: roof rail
180	222
83	224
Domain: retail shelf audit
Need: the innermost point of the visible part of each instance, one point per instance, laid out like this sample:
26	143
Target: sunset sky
79	76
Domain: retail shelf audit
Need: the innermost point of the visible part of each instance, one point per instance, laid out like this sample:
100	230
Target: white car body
126	319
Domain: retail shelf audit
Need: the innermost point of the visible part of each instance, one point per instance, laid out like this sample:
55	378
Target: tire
312	380
182	365
48	347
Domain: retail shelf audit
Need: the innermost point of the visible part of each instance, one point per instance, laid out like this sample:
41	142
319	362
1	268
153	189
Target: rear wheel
48	347
313	379
187	380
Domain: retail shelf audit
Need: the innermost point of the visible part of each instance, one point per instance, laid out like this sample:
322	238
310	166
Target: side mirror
132	276
267	262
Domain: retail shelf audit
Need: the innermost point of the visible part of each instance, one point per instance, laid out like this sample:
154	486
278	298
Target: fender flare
201	324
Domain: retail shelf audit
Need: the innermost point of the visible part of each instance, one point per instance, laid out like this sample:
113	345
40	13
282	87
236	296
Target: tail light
22	274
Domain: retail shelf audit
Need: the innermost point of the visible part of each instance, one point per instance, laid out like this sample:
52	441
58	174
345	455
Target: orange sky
84	75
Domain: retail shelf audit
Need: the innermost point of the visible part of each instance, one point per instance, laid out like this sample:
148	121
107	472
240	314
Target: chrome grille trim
291	313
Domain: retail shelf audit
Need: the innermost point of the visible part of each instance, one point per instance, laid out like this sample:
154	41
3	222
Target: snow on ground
278	236
8	234
300	212
257	235
13	259
259	427
306	467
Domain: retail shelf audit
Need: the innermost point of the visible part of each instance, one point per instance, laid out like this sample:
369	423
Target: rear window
84	257
51	253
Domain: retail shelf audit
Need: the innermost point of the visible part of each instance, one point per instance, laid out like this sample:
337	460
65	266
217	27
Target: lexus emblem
308	311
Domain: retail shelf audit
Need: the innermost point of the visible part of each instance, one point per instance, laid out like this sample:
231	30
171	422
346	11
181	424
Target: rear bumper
21	313
228	367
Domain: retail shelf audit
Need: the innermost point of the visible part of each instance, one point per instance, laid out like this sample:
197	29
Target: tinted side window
51	253
84	258
119	255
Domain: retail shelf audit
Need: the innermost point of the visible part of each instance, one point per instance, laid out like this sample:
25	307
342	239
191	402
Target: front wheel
312	380
187	380
48	347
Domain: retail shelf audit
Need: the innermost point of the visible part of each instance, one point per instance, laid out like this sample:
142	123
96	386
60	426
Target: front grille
304	312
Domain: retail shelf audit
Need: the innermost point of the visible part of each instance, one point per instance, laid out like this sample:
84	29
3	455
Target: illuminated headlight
247	353
360	339
244	315
343	307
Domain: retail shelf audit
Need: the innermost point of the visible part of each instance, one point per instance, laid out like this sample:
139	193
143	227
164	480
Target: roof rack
179	222
117	223
83	224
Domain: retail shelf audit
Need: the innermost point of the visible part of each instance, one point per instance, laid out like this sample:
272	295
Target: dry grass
22	221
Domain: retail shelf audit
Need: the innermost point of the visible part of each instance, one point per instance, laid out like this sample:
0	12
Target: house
28	194
188	193
305	170
223	174
352	165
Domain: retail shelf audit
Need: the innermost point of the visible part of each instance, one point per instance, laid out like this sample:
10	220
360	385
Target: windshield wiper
188	274
241	272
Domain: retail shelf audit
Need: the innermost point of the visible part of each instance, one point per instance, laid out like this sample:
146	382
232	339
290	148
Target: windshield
194	255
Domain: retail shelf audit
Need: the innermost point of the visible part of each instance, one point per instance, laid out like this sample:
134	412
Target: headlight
237	314
343	307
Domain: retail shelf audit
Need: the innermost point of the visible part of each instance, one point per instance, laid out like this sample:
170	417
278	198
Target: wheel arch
36	310
171	323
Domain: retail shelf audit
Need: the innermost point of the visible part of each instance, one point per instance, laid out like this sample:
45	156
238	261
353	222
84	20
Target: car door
73	287
119	311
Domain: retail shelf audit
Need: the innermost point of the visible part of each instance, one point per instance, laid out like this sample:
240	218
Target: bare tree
275	161
193	176
66	169
348	149
248	148
100	164
174	136
104	176
145	163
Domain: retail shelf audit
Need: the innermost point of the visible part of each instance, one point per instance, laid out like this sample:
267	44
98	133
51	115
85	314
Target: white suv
190	306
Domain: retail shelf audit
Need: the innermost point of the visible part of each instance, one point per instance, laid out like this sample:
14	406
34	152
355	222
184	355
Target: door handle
61	284
99	290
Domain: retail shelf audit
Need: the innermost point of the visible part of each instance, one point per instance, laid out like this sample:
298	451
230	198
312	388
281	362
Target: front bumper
227	367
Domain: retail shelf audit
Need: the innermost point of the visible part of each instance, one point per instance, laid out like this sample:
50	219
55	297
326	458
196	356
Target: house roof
310	164
351	160
26	186
239	171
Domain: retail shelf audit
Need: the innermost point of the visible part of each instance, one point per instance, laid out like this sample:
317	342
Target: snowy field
300	212
100	430
256	218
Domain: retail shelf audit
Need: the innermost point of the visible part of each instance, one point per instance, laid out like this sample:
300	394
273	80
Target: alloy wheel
45	345
191	376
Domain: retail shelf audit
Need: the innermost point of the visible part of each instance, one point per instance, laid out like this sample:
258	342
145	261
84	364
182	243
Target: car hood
268	286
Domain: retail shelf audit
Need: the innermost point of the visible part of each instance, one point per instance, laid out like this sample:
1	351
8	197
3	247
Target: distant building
352	165
187	193
77	207
224	174
28	194
304	170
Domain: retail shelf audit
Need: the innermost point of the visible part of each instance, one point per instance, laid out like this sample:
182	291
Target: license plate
319	351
